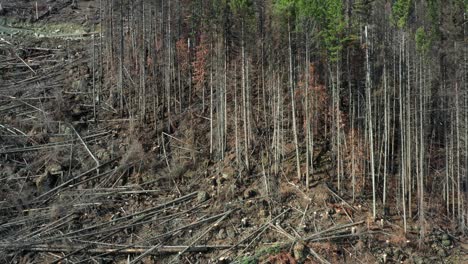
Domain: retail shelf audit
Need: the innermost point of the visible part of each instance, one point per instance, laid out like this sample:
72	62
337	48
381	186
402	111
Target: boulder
202	196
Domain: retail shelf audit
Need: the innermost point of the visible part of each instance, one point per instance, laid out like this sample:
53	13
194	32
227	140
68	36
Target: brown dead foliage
281	258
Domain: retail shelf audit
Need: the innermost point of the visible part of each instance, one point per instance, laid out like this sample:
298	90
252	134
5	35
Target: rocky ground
81	184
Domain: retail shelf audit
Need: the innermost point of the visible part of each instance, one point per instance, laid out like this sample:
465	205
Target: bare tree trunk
293	103
402	134
457	128
421	155
211	100
169	66
244	103
143	64
408	131
121	61
236	133
386	132
370	126
309	156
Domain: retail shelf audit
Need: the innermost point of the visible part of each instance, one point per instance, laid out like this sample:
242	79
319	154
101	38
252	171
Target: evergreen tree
334	27
241	7
401	12
423	41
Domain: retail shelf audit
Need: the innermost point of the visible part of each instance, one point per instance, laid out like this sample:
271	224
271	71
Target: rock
384	258
221	234
220	180
76	111
6	171
214	182
321	193
299	251
303	228
409	250
360	245
249	193
388	251
66	130
418	260
78	85
57	212
57	139
446	243
245	222
325	216
398	253
441	252
103	154
227	172
224	260
230	233
202	196
44	182
54	168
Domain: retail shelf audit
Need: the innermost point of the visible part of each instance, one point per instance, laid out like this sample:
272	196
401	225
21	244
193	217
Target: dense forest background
381	85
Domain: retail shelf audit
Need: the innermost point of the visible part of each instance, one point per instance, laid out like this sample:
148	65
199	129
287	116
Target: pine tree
401	12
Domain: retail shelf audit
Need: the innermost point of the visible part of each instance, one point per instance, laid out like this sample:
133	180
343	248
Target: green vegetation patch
263	252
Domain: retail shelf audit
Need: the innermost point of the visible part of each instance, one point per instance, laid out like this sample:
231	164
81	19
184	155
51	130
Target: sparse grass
13	26
248	260
263	252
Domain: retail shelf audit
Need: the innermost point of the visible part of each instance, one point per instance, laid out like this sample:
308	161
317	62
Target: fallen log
117	250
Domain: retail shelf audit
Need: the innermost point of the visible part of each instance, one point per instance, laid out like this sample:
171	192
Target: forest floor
80	184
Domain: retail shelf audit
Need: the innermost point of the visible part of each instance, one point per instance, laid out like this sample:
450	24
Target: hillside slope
183	132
